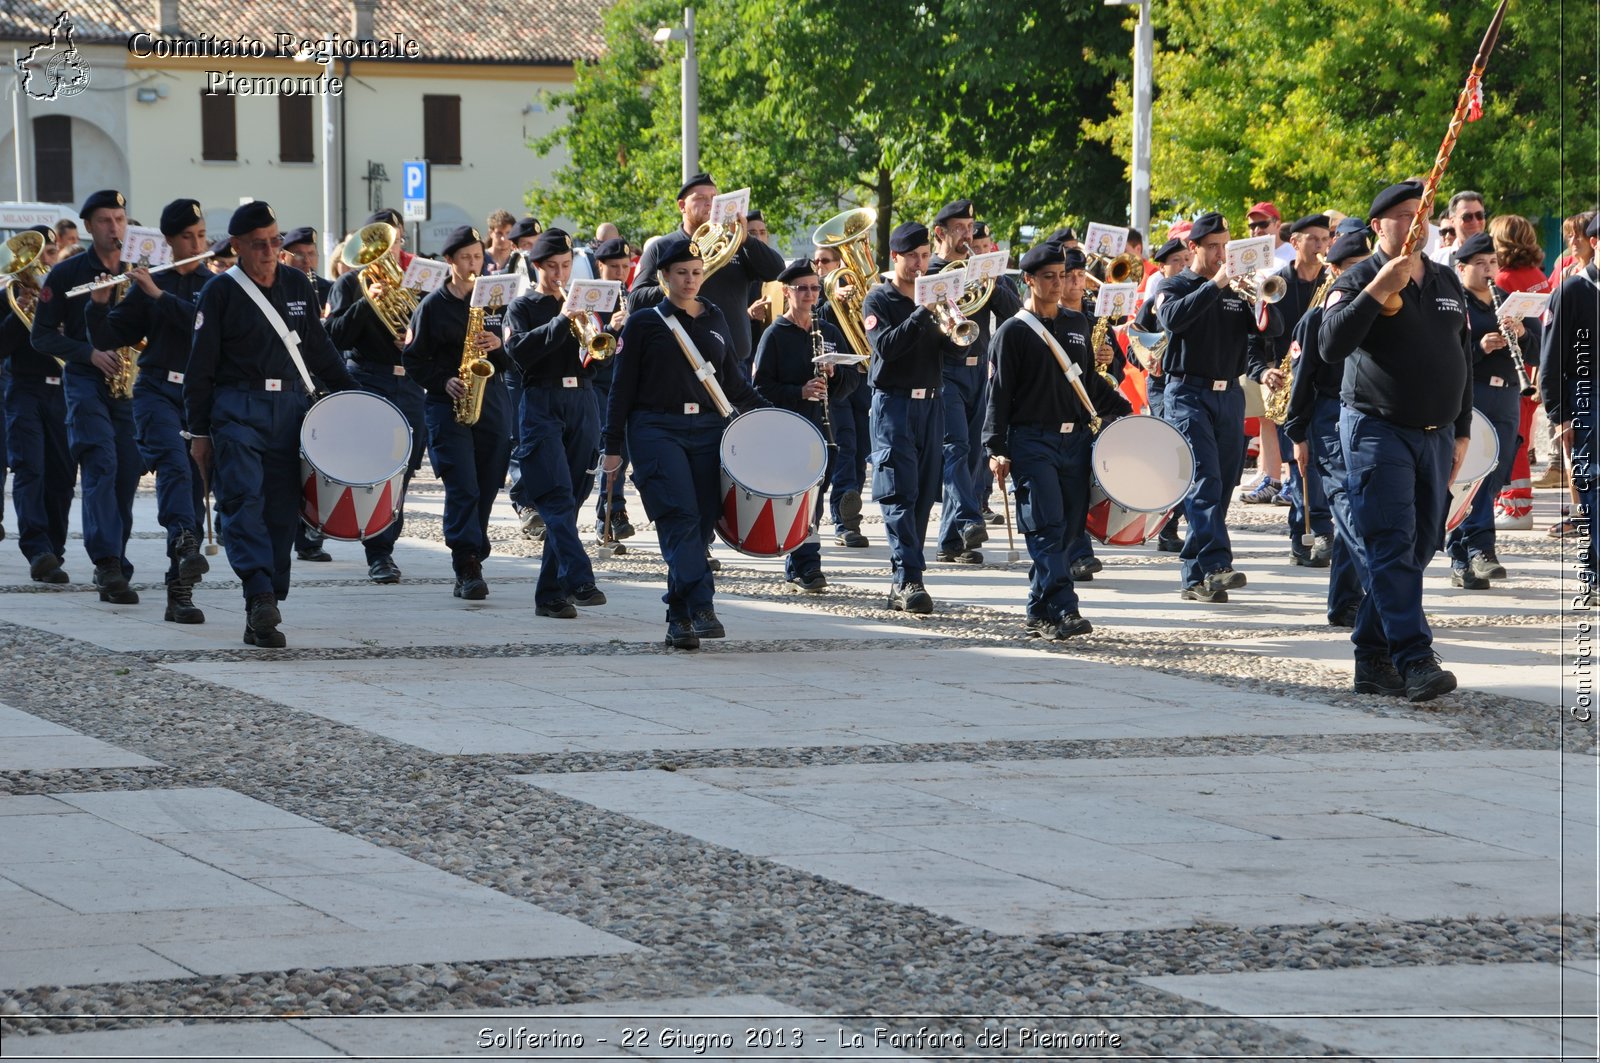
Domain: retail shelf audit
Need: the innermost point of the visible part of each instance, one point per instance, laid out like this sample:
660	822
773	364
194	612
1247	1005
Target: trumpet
94	286
597	344
1260	287
955	325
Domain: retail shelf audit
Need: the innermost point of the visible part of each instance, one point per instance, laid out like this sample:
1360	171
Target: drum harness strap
703	370
275	319
1068	366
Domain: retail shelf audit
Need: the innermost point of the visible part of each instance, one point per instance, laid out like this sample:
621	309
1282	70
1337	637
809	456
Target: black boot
191	563
469	580
180	605
112	584
261	622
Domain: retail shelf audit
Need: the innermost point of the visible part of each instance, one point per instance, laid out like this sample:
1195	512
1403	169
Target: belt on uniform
1202	381
910	393
562	382
393	368
686	409
264	384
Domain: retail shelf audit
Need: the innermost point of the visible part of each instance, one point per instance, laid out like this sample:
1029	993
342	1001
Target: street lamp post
691	90
330	149
1143	51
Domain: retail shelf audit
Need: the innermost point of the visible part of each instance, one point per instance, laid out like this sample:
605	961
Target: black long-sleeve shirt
1567	361
1030	388
16	348
235	344
784	366
1314	378
1210	327
60	325
907	343
1488	368
438	334
725	289
355	327
540	342
651	371
167	322
1266	352
1411	369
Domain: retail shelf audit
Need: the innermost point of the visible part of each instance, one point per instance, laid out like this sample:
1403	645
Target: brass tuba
373	250
20	260
476	369
718	244
850	234
597	344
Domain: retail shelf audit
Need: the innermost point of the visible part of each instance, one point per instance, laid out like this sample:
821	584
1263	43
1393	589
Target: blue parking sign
414	189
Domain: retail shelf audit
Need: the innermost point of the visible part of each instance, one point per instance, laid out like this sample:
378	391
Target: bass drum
772	466
355	448
1142	470
1483	454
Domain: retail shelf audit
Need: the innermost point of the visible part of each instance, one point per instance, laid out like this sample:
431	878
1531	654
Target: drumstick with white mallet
608	541
1005	505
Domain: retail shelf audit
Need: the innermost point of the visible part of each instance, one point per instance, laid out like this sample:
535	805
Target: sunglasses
806	287
1475	216
1447	232
1259	225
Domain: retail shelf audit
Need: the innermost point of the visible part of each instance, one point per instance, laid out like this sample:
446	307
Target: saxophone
1101	327
1277	403
475	371
122	381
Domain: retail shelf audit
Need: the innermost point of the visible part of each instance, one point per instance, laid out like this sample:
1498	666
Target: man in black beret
1210	323
1567	371
965	395
612	263
729	287
300	252
787	377
674	430
1407	395
100	426
1038	430
470	456
559	426
159	310
245	396
521	237
1474	561
372	356
1312	426
36	429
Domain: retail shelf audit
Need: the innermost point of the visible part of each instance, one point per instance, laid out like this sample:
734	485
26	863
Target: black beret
388	216
1393	196
1350	226
1206	225
675	248
1310	221
303	235
754	215
550	242
1593	228
1041	256
223	248
179	215
961	208
1062	235
698	179
461	236
45	231
980	230
1074	258
1348	246
800	267
1476	244
105	198
614	248
908	236
257	214
527	226
1166	250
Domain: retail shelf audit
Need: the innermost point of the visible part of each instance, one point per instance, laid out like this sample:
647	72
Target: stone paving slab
28	743
122	887
1081	845
1505	1011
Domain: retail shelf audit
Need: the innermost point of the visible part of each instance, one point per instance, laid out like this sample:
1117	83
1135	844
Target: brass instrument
1523	382
20	261
121	382
1276	406
975	296
772	292
718	243
476	369
373	249
1260	287
597	344
1117	270
954	324
1102	327
850	234
1148	347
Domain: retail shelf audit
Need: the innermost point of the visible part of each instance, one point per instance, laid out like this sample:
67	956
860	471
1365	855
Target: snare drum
772	466
1483	454
1142	470
355	448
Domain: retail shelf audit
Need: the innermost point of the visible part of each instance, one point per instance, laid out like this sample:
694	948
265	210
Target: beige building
113	101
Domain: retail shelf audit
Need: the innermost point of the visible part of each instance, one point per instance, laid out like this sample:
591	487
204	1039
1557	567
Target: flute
93	286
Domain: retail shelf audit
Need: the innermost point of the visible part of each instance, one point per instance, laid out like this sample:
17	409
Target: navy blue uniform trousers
472	462
556	452
43	472
104	443
965	394
677	467
907	472
255	436
1347	563
1212	422
1051	472
158	415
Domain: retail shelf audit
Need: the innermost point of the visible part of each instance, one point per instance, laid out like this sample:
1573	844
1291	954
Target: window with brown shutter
441	130
52	158
219	140
294	129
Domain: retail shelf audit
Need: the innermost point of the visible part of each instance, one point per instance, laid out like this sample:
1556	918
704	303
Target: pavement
438	829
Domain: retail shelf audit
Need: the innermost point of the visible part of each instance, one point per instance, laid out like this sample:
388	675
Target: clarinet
1511	342
827	418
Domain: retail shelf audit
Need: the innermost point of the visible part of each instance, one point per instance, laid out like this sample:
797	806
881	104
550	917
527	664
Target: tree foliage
1320	103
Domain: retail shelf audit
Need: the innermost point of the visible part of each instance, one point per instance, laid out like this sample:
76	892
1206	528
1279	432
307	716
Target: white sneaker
1510	522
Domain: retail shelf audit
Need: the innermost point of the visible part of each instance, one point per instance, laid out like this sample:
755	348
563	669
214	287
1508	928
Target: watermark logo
54	69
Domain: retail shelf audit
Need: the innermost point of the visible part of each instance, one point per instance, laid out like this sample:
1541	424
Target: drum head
1143	463
356	438
1483	451
774	453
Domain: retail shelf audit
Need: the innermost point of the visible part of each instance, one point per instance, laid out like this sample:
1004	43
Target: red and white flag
1475	102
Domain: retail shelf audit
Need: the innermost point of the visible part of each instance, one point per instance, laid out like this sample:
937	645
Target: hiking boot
1425	680
850	510
1073	624
470	584
810	582
558	609
1037	627
191	563
588	595
851	537
1345	617
1225	579
112	584
681	636
46	568
1265	492
974	535
180	605
1487	566
1199	592
961	557
706	625
911	598
1463	577
261	622
1083	571
1376	675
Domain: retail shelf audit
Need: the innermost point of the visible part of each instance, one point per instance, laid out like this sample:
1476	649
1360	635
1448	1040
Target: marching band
1380	364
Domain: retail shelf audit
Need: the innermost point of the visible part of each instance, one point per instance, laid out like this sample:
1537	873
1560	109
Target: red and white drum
1142	469
354	450
1483	454
772	466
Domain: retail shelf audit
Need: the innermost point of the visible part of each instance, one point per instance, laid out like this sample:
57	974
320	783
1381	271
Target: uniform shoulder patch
199	319
46	293
871	322
1334	298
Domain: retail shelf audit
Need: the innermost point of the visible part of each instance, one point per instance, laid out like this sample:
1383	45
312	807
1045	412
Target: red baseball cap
1265	208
